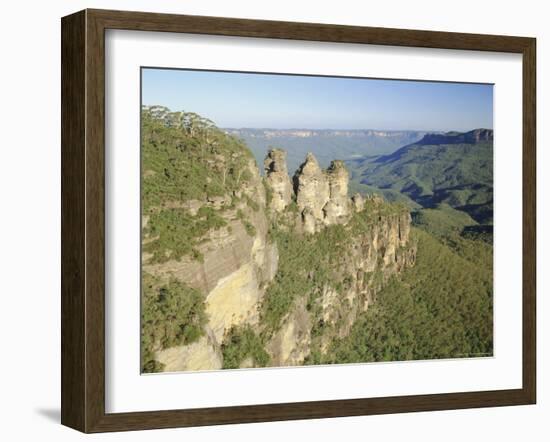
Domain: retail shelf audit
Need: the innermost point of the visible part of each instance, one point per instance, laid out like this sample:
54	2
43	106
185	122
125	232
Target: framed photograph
269	220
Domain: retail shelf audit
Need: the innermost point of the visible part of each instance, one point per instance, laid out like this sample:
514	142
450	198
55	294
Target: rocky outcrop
239	267
204	354
473	137
337	209
291	344
311	187
378	251
238	261
277	180
322	195
373	257
358	202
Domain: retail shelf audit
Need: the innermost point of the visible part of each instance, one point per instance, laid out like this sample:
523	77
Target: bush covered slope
189	167
440	308
186	160
456	169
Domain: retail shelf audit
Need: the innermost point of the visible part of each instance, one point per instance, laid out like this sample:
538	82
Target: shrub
241	343
172	314
175	233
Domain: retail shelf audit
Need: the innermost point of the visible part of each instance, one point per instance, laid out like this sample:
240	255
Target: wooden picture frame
83	220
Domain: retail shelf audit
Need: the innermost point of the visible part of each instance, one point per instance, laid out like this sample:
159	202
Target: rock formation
377	254
278	180
238	257
472	137
322	195
233	273
358	202
204	354
337	208
311	187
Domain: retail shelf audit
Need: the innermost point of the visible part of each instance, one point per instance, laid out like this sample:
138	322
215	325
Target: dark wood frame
83	216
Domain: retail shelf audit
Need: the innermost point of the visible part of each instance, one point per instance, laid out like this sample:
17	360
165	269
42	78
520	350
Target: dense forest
453	169
440	308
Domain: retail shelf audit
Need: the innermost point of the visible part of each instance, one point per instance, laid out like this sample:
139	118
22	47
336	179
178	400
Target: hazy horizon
234	100
344	129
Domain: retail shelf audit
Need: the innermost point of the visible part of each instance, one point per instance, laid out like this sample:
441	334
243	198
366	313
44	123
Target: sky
250	100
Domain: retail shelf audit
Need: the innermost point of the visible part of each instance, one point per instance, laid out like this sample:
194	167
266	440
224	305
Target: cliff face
472	137
337	208
369	261
376	246
237	263
218	231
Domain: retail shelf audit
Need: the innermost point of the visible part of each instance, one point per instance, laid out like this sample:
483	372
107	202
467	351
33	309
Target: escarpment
276	269
236	263
336	254
213	240
349	264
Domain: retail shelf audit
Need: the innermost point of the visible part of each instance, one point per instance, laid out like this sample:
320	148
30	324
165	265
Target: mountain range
452	168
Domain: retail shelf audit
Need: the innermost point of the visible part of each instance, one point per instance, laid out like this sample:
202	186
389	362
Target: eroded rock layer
367	263
234	262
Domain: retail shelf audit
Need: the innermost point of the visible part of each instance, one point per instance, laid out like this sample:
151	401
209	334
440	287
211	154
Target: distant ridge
326	144
473	137
452	168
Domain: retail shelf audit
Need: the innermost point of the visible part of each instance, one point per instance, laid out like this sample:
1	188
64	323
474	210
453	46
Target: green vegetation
304	268
481	233
390	195
459	231
172	314
250	229
248	226
440	308
194	182
242	343
459	174
175	233
309	263
185	158
442	221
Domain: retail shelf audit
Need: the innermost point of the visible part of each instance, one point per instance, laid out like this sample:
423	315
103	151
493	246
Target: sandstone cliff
284	267
232	274
365	264
368	241
232	260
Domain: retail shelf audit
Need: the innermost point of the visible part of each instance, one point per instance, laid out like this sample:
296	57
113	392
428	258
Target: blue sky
287	101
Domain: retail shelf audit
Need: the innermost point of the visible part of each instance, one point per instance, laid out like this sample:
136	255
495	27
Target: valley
326	144
455	169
